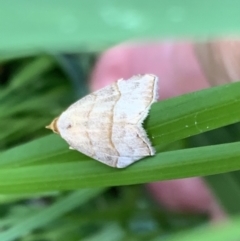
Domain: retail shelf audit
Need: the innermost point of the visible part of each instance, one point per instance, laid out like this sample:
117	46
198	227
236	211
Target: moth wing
137	96
87	124
130	138
107	124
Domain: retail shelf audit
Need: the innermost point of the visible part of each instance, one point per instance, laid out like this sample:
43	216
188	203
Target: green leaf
222	232
49	214
70	27
77	174
194	113
47	164
227	189
38	66
112	232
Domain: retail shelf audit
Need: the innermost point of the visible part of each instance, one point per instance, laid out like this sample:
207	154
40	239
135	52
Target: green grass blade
28	74
49	214
112	232
41	162
227	190
85	173
168	121
70	27
228	231
193	113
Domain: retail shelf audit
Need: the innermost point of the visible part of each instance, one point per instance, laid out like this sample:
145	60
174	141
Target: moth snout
53	126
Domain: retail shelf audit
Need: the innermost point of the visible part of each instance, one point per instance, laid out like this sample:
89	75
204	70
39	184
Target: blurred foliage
46	60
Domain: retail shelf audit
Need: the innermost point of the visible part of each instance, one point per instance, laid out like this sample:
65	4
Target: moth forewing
107	124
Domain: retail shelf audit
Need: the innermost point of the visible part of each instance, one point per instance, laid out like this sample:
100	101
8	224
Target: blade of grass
193	113
112	232
28	105
49	214
74	70
227	231
168	121
227	190
70	27
226	186
167	127
85	173
28	73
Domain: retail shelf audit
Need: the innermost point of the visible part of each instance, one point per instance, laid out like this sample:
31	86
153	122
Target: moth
107	124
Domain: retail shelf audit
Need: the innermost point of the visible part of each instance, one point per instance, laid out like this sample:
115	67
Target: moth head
53	126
